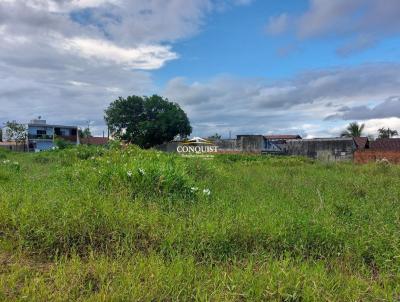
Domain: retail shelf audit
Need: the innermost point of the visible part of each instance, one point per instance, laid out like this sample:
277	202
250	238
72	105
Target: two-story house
41	136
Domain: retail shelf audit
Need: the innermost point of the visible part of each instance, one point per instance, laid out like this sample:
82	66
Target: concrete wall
224	145
12	146
168	147
250	143
323	149
335	149
365	156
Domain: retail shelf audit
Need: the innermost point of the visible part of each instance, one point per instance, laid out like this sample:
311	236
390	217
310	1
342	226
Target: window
41	132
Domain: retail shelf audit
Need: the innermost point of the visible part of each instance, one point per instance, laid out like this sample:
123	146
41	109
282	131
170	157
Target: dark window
73	132
57	131
41	132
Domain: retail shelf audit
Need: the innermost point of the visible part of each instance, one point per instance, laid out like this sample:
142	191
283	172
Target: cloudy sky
241	66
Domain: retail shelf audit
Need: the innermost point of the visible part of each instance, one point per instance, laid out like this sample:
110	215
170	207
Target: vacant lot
100	225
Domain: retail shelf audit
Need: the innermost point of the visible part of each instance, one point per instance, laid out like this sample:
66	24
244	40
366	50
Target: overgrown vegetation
126	224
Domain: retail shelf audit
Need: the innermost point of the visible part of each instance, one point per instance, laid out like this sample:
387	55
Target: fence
365	156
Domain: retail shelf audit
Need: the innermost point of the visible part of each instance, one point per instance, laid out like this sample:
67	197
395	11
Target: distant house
41	136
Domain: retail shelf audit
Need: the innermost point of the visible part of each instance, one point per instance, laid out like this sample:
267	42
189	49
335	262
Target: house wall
44	145
365	156
4	137
32	130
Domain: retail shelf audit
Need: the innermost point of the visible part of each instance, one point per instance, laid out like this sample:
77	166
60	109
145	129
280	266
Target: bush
62	144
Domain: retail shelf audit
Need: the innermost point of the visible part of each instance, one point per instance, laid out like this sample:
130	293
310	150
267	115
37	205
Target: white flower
92	158
15	163
6	161
141	171
194	189
207	192
129	173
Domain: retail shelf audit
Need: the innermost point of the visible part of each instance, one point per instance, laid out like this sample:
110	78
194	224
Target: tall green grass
126	224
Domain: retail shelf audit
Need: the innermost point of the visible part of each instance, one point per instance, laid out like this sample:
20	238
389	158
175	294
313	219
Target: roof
197	139
325	139
283	136
94	141
52	126
389	144
361	142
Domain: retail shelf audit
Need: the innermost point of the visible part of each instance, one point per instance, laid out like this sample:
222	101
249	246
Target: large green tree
353	130
146	121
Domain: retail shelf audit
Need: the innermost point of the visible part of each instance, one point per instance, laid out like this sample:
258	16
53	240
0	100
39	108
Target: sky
305	67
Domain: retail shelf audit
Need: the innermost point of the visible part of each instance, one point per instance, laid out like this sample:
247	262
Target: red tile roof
94	141
361	142
282	136
389	144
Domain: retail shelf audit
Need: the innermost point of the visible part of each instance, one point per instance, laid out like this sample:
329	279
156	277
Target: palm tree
387	133
353	130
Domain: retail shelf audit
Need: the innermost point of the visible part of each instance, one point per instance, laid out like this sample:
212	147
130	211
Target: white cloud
66	60
140	57
372	126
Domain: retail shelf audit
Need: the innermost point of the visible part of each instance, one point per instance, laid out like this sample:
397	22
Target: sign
197	145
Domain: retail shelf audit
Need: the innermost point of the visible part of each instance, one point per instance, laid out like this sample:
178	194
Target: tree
1	135
215	136
15	132
146	121
353	130
387	133
85	133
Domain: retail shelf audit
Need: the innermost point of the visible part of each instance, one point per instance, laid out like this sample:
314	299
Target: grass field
93	224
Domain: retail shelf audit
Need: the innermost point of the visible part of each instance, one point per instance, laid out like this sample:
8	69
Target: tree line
148	121
355	129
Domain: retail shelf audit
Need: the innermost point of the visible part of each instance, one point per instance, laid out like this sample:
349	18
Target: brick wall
364	156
